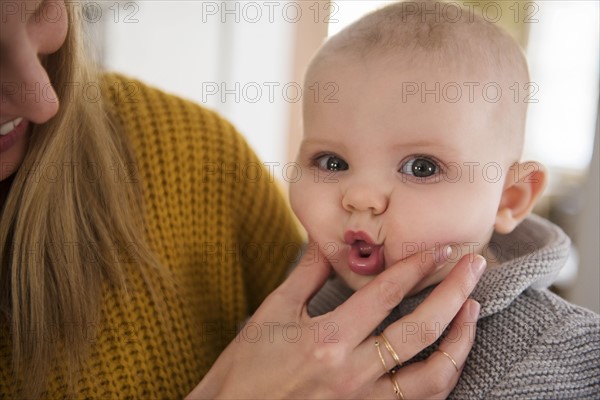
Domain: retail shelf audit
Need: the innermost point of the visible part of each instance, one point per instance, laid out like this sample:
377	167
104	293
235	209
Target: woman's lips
8	139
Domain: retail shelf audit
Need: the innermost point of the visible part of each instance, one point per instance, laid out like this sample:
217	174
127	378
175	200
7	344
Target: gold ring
385	368
390	349
397	390
449	358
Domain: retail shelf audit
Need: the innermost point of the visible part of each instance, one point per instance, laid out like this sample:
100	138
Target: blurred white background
245	59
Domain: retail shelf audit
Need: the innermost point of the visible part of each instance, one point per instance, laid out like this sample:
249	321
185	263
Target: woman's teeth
9	126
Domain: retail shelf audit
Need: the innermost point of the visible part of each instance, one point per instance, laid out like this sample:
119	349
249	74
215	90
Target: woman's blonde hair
65	224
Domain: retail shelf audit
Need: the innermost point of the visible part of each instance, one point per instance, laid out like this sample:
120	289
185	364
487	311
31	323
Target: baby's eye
420	167
331	163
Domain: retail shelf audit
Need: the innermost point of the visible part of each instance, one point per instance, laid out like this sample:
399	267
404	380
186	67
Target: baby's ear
523	185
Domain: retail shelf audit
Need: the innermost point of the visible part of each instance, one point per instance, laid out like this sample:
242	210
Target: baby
421	148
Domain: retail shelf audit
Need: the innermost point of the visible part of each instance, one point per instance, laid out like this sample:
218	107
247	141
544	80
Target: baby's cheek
314	211
461	225
301	200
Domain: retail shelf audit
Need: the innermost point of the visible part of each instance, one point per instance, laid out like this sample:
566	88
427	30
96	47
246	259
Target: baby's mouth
364	249
365	258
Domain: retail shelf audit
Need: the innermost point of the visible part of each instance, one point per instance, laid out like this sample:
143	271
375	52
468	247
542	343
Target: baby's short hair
438	33
432	29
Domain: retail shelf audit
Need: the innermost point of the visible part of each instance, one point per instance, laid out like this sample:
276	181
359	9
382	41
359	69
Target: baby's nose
365	197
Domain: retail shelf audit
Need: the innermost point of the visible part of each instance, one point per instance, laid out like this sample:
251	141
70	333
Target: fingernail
478	265
443	254
474	308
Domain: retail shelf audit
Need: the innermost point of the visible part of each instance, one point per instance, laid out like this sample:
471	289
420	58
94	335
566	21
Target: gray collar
531	257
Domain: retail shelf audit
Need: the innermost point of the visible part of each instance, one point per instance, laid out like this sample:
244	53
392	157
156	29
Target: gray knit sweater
530	343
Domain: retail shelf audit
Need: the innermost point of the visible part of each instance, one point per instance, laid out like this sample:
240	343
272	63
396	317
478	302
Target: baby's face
386	174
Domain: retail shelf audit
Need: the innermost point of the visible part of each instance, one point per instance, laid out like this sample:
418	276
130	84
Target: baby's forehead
427	33
466	57
407	67
395	96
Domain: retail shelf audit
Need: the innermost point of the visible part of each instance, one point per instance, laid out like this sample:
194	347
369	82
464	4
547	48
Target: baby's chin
354	282
351	279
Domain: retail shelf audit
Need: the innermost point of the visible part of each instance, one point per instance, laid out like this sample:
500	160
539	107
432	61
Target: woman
133	247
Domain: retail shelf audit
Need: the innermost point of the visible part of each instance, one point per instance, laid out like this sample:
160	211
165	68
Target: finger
307	277
436	377
386	387
460	338
373	302
413	382
419	329
378	361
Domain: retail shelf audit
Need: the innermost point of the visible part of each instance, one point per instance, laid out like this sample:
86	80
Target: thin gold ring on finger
391	350
385	368
397	390
449	358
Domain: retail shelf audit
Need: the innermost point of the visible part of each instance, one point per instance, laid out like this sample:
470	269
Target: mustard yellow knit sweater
215	220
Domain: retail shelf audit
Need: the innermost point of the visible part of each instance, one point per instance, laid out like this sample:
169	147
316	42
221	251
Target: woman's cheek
49	29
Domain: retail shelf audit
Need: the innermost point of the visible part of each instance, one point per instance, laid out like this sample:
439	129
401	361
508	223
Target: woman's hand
284	353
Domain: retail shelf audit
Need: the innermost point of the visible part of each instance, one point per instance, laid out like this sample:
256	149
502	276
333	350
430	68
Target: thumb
307	277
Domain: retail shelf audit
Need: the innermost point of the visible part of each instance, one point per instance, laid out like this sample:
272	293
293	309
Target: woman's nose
366	196
27	91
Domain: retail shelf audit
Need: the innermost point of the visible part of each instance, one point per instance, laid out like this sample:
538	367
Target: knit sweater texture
530	343
215	219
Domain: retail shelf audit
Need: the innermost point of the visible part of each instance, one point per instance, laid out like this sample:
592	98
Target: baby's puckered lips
364	256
